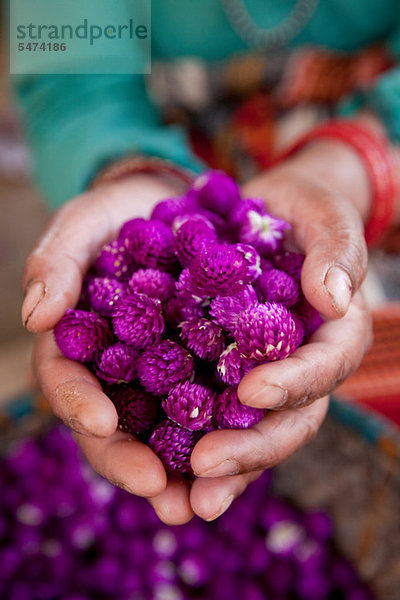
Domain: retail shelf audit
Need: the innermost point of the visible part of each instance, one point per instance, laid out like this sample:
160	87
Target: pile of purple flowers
92	541
180	307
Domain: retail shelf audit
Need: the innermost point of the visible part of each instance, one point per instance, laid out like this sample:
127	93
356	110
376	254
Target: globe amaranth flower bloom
190	405
264	232
173	445
232	367
137	410
82	335
114	261
204	337
104	294
225	309
167	210
164	365
153	283
230	413
191	233
137	320
217	192
179	309
117	364
309	316
151	243
221	270
242	208
277	286
252	258
266	332
291	263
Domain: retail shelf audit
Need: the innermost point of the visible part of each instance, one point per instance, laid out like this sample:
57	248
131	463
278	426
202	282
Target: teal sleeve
77	123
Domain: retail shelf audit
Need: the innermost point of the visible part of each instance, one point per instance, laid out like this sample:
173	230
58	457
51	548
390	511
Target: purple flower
264	232
309	317
191	233
266	332
151	243
225	309
179	309
188	290
117	364
164	365
216	191
173	445
82	335
252	259
104	294
220	270
190	405
137	320
115	262
277	286
232	367
242	208
167	210
291	263
230	413
137	410
204	337
153	283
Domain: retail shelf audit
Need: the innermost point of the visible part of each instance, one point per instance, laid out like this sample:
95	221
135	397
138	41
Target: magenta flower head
204	337
221	270
104	294
191	233
115	262
164	365
117	364
252	259
309	317
216	191
277	286
187	289
291	263
82	335
264	232
137	410
190	405
137	320
225	309
153	283
232	367
266	332
230	413
173	445
242	208
151	243
180	309
167	210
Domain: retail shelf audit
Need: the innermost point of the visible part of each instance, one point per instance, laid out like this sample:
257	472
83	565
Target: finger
172	505
211	497
277	436
126	462
55	267
74	394
315	369
328	229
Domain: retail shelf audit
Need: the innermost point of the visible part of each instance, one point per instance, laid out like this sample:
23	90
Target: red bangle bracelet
375	152
141	165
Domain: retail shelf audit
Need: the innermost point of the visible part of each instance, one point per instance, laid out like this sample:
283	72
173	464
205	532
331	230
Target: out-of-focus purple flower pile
180	307
67	534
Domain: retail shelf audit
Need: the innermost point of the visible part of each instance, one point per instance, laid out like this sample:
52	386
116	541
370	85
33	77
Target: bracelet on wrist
374	151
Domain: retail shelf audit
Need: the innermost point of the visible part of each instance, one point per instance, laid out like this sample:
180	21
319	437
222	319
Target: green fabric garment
76	123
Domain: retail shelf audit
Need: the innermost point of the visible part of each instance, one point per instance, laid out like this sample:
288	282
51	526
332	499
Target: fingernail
224	506
78	427
226	467
34	294
339	287
270	396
